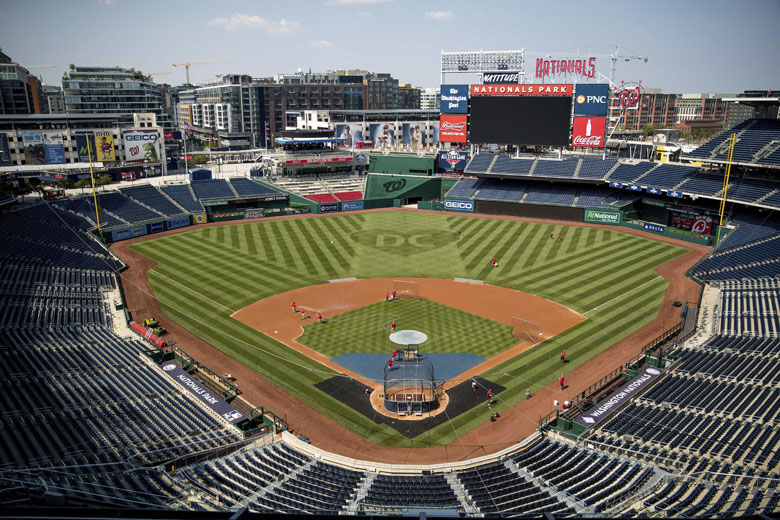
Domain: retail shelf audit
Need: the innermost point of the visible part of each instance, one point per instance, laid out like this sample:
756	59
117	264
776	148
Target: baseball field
203	277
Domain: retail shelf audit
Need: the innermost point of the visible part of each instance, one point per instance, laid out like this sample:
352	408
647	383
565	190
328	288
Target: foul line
625	293
196	292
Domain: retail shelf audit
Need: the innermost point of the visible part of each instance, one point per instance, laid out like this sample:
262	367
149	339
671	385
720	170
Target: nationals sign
585	67
588	132
453	128
521	90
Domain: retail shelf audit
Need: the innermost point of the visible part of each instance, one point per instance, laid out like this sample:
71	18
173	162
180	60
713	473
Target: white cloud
106	2
364	14
323	44
440	15
356	2
246	21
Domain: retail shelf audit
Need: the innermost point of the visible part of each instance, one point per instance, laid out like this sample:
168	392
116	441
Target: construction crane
187	66
150	74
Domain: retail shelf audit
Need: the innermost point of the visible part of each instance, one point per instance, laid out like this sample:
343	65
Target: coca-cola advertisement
453	128
588	132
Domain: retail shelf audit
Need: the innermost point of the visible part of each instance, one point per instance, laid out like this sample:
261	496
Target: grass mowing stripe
342	242
479	255
193	291
507	237
263	232
510	258
312	239
635	288
282	241
347	224
220	234
472	235
298	248
573	239
234	242
334	250
590	238
249	238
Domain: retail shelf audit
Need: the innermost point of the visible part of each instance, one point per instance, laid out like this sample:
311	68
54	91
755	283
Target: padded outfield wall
514	209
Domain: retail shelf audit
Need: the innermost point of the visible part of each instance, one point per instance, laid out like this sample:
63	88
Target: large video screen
520	120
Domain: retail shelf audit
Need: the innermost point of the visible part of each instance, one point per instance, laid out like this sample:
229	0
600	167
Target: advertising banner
521	90
603	216
53	149
33	148
585	67
329	207
177	222
590	99
655	228
459	205
142	145
351	205
200	218
104	146
453	128
81	146
454	99
123	234
352	133
453	160
620	395
500	78
253	213
701	224
206	396
435	131
5	151
381	134
413	136
588	132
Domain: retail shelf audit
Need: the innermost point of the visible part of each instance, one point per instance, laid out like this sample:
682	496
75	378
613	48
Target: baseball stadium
560	333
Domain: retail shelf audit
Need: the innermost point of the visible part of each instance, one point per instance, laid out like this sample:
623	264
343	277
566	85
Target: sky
691	46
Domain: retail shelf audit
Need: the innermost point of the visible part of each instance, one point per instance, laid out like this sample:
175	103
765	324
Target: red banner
521	90
453	128
588	132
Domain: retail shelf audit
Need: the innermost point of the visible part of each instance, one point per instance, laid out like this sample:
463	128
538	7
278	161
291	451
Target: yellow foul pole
94	191
726	184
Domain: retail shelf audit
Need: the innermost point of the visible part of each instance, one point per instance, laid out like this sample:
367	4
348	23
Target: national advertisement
33	148
352	133
413	135
589	132
53	149
454	99
453	128
603	216
5	151
459	205
203	393
618	397
453	160
142	145
590	99
84	153
351	205
104	146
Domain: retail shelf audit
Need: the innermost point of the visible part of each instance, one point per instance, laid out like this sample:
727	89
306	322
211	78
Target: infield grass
204	275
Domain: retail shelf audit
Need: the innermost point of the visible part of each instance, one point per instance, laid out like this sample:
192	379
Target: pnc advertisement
453	128
588	132
590	99
142	145
104	146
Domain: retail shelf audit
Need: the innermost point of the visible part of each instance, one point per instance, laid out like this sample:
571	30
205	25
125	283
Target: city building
685	111
55	101
752	104
408	97
115	90
430	98
20	91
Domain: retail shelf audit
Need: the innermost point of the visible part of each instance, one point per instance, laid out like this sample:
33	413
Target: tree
103	179
86	182
198	159
72	66
647	130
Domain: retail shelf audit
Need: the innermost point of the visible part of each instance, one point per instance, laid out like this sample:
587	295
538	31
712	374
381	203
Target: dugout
410	384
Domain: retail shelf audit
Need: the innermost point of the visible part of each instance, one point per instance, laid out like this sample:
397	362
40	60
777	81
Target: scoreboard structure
557	115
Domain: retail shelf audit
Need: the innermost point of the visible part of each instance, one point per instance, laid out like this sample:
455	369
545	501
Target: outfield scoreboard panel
529	120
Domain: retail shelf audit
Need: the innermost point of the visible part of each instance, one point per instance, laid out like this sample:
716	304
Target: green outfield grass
368	329
206	274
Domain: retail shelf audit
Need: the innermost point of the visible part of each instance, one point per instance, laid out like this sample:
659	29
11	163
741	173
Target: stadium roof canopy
308	140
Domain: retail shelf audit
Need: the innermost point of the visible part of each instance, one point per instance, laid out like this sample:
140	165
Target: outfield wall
514	209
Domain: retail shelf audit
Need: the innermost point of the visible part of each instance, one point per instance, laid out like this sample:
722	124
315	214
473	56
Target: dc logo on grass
408	243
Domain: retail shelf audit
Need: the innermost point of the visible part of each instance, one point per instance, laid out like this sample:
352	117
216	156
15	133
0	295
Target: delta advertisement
453	128
33	148
104	146
590	100
453	160
589	132
454	99
142	145
352	134
82	138
5	151
53	149
381	134
413	135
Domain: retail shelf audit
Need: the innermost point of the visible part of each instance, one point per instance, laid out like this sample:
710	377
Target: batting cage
406	289
526	330
410	384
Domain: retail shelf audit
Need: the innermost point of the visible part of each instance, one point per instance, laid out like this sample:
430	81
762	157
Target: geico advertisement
142	146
